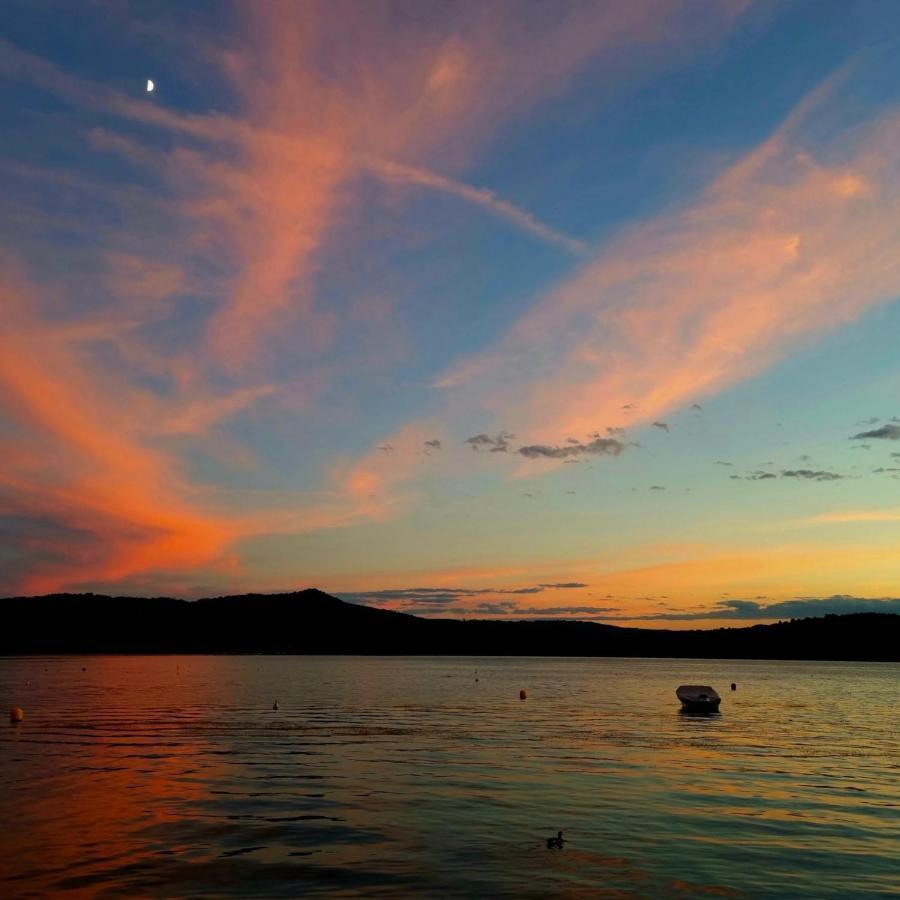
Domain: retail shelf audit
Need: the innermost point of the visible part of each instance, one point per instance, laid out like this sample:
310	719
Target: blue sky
254	317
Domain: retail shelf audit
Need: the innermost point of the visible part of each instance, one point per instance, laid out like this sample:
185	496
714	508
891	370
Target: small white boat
698	698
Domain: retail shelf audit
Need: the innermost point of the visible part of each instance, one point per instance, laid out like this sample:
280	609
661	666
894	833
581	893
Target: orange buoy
523	694
16	715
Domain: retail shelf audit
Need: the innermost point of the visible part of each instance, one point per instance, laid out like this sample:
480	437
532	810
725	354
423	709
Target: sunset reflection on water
173	776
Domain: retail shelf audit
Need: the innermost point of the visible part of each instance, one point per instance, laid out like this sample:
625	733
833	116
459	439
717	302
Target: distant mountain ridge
313	622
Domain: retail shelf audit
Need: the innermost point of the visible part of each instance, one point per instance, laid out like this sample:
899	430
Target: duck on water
555	843
698	698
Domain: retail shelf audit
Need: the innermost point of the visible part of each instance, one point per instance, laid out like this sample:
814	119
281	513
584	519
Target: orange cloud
95	400
780	248
266	184
77	463
397	91
96	497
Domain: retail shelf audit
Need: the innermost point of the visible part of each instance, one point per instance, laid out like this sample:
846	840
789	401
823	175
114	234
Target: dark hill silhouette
311	621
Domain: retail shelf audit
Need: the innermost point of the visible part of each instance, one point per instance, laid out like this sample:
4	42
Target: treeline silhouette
310	621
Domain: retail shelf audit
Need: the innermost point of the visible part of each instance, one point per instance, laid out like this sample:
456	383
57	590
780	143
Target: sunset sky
460	308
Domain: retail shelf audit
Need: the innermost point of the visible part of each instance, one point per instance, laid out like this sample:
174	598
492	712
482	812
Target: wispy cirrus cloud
196	291
786	244
90	494
267	180
482	197
79	465
259	186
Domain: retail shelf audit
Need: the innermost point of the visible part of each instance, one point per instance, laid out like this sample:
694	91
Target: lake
174	777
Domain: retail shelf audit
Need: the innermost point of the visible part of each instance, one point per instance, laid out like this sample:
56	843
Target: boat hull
700	706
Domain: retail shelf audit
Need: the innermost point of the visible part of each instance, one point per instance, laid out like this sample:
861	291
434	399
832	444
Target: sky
481	309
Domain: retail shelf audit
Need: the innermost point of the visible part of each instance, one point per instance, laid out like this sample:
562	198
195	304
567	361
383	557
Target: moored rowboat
698	698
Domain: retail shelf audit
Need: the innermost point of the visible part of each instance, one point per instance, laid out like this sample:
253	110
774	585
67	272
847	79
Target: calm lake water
173	777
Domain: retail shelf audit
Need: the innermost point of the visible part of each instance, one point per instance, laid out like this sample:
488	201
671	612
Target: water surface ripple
174	777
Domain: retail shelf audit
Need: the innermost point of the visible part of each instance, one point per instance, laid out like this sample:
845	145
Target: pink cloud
251	198
780	249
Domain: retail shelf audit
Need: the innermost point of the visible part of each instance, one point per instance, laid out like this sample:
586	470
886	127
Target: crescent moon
150	86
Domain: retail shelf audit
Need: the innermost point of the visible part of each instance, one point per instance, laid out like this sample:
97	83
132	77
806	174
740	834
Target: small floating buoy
275	705
733	686
523	694
16	715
